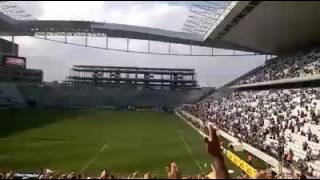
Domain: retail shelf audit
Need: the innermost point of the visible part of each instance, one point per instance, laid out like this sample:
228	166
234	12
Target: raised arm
214	149
173	172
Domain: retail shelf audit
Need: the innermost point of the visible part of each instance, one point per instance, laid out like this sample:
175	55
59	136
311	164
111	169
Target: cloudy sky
56	59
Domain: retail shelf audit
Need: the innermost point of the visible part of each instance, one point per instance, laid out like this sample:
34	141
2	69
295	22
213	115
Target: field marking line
224	150
94	157
192	154
191	125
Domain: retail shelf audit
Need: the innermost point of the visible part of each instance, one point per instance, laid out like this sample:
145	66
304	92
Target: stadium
131	122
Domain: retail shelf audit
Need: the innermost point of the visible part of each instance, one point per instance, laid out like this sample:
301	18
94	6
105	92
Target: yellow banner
252	172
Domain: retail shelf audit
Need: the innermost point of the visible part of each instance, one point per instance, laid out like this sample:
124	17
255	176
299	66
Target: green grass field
69	140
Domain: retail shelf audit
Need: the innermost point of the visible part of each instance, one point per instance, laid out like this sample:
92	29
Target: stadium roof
78	28
271	27
256	26
297	82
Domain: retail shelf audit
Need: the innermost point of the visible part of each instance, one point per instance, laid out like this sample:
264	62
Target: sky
56	59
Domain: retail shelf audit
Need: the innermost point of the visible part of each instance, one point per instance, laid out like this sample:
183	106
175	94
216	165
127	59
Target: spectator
290	157
243	175
250	159
309	154
310	171
305	146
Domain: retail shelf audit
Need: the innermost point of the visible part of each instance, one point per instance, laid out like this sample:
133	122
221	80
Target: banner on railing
252	172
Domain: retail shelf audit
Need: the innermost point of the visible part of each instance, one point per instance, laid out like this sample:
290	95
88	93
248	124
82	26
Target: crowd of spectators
302	64
172	173
270	120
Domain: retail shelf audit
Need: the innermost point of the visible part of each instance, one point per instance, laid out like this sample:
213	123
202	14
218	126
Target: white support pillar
128	41
12	45
86	40
65	38
107	42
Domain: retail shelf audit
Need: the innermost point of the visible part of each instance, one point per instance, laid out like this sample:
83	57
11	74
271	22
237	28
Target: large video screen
14	62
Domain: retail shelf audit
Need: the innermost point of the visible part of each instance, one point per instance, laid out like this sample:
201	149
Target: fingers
168	170
135	174
174	166
214	133
173	172
212	167
210	132
147	176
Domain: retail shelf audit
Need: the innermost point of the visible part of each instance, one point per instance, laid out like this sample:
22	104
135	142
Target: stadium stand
6	48
10	96
57	95
305	63
268	119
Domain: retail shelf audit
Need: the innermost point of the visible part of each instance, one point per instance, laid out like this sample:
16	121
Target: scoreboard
13	62
14	69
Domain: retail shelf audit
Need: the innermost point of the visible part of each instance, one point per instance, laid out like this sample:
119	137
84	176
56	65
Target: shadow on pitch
17	120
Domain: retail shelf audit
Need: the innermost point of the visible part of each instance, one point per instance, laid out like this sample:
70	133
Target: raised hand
213	148
147	176
212	143
173	171
134	175
104	175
